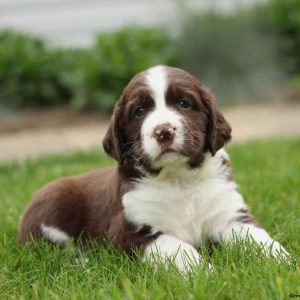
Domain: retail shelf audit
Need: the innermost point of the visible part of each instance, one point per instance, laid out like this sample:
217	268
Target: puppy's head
165	115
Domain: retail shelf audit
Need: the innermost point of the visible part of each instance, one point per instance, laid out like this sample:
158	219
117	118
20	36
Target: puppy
172	188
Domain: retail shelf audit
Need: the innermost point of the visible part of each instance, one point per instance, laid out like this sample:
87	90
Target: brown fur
89	205
226	162
247	218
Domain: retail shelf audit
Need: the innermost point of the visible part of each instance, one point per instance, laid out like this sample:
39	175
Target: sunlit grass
268	174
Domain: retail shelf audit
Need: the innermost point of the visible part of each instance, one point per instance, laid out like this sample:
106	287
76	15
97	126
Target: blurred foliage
231	54
243	55
29	73
32	75
282	17
104	70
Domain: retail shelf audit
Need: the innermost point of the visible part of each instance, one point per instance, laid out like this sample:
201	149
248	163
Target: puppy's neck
176	169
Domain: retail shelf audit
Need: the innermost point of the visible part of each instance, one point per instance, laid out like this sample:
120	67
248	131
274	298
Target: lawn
268	174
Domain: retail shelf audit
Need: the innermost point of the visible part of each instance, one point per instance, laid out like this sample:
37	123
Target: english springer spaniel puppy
172	188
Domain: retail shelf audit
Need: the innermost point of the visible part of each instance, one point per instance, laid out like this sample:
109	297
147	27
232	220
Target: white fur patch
189	205
157	81
54	235
184	203
168	249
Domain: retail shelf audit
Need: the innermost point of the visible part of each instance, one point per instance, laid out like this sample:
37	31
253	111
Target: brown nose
164	133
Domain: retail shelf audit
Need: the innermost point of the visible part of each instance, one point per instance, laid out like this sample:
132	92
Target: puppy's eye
184	104
139	112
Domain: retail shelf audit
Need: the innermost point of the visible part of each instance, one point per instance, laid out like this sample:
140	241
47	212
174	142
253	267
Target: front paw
187	261
169	250
277	251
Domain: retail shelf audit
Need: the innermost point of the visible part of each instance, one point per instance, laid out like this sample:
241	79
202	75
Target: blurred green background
250	54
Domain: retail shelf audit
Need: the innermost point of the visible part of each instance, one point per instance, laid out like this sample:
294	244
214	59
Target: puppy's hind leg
55	214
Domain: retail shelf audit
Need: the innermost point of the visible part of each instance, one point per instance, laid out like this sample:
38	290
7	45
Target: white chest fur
185	203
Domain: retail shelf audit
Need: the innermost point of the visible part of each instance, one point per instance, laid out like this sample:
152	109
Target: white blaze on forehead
157	81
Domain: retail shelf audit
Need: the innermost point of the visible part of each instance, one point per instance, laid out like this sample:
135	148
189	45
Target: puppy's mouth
168	154
167	150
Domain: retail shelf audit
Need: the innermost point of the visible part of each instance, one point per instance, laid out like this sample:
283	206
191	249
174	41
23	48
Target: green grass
268	174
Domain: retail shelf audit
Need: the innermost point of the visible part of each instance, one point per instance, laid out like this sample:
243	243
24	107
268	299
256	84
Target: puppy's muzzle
164	134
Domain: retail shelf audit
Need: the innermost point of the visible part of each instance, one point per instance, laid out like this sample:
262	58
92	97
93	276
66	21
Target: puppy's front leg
236	229
167	248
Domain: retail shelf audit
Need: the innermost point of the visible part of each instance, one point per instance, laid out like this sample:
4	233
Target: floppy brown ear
218	129
112	142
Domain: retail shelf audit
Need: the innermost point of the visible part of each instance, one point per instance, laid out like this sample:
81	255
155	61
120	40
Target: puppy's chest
171	207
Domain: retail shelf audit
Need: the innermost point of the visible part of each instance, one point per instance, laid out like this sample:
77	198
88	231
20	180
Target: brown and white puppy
172	188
